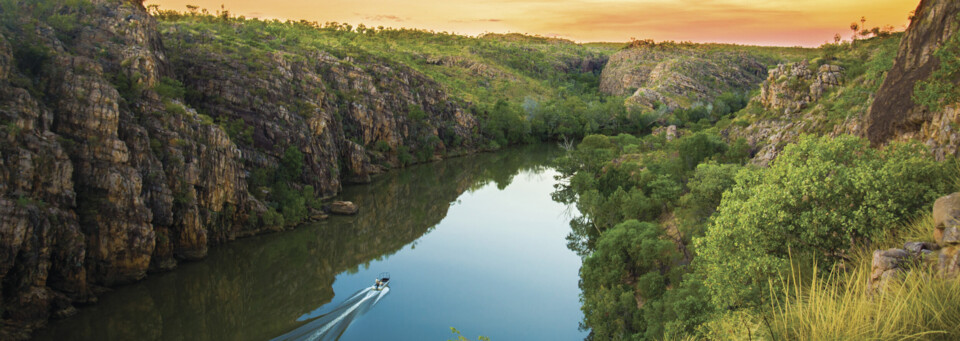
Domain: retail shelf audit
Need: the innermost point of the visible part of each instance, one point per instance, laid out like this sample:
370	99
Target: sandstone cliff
105	176
894	114
677	75
865	88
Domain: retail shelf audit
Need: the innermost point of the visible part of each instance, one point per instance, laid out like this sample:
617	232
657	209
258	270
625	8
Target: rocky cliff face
787	92
894	114
103	178
675	75
790	88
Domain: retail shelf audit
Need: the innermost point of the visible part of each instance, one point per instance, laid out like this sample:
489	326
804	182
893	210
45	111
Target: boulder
886	265
318	215
948	264
950	236
946	214
342	208
918	247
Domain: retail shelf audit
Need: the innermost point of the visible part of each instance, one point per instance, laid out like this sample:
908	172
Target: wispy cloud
474	20
385	17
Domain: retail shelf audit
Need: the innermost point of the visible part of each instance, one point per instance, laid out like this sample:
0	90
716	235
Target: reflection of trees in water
257	287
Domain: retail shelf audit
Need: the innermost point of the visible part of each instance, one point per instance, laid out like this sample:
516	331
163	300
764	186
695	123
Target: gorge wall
104	177
678	75
895	114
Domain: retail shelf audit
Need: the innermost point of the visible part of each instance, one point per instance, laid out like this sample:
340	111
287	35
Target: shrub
819	196
272	218
169	88
698	147
404	156
291	165
174	108
238	130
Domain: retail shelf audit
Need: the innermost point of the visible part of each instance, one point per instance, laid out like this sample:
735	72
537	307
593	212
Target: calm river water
474	243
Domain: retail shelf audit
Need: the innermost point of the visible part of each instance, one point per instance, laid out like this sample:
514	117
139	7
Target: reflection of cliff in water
257	287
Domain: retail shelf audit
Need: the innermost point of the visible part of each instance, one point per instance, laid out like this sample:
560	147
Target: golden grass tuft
921	306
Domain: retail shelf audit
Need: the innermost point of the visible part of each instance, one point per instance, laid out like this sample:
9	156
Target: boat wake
331	325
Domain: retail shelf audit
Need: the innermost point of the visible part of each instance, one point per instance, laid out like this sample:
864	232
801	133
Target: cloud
475	20
385	17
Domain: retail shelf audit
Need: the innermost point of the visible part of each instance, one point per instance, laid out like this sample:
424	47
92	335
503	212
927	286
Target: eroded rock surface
894	114
674	76
103	179
789	88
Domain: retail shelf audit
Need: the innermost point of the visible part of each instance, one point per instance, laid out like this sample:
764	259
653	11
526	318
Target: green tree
291	164
627	267
695	148
820	196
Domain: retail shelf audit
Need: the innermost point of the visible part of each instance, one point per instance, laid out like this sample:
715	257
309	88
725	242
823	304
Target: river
474	243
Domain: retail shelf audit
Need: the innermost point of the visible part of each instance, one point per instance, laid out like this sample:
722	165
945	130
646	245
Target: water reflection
256	288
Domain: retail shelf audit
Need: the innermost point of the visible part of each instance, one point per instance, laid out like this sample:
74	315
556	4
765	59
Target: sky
755	22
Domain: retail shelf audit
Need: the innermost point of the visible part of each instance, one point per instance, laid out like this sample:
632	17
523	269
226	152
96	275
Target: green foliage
237	129
941	88
291	203
610	294
272	218
679	312
706	187
288	205
174	108
170	88
382	146
131	89
695	148
416	114
404	156
819	196
184	195
291	165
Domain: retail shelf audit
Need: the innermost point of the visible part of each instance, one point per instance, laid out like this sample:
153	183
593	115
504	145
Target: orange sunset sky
758	22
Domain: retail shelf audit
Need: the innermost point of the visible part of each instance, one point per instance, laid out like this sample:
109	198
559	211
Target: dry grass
839	307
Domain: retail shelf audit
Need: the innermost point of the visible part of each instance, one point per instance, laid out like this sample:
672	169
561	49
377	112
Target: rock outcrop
343	208
789	88
886	265
894	114
946	216
943	256
103	177
675	75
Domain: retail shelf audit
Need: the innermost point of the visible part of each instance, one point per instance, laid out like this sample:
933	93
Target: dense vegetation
681	238
523	88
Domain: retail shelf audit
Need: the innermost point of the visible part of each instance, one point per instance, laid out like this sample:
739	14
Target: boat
382	281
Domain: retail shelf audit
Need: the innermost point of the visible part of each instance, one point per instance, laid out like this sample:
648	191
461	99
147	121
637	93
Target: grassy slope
865	65
473	69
